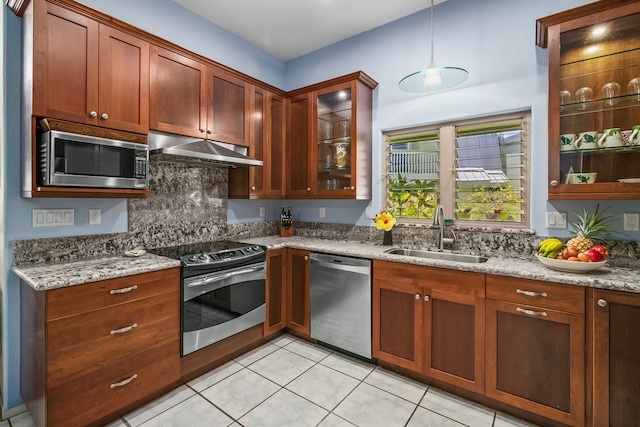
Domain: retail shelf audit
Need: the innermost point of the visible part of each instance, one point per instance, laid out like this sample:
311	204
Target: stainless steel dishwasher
341	302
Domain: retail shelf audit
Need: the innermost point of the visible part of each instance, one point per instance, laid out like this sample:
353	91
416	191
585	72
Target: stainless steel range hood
186	149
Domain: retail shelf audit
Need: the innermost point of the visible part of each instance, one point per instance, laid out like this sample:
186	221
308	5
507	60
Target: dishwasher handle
358	269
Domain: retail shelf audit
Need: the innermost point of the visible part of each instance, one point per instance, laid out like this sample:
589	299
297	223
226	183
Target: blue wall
492	39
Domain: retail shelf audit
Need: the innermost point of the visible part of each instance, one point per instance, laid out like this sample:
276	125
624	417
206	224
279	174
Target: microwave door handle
217	277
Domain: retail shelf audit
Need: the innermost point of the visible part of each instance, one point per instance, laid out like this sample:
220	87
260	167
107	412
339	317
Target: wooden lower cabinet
89	350
613	354
275	291
431	321
297	293
535	347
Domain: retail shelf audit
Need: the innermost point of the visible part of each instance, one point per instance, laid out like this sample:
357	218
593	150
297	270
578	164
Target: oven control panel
224	257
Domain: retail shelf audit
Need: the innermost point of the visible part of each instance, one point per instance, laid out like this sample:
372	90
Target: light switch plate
321	212
52	217
262	212
556	220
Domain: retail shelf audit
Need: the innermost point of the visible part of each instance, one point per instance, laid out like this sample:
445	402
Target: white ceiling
291	28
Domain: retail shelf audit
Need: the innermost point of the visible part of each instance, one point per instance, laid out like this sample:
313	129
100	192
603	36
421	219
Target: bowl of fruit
580	254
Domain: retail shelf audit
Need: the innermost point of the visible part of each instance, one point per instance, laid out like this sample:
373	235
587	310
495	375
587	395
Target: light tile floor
289	382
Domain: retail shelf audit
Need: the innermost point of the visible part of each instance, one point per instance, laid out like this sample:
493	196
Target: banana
554	249
550	247
547	246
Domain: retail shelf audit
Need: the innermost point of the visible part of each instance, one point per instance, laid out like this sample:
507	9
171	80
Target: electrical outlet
367	213
632	221
95	216
321	213
262	213
556	220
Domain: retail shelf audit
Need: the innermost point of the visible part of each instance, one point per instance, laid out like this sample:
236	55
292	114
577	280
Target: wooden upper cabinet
594	89
329	139
266	143
298	146
190	98
87	72
178	94
275	157
65	64
228	108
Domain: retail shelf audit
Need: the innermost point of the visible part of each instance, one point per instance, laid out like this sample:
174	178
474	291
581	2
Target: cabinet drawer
93	296
459	282
539	294
88	340
89	395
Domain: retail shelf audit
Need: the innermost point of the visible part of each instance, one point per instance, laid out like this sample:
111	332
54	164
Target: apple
603	251
571	251
593	255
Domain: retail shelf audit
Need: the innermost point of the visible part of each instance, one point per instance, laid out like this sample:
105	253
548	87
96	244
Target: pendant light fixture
433	78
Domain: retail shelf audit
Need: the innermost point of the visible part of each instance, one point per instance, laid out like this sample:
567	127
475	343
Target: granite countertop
53	275
613	278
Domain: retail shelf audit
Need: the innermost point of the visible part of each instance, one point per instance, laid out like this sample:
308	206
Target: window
476	169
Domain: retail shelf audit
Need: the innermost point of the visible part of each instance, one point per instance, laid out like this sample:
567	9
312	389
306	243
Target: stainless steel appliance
223	290
74	160
186	149
341	302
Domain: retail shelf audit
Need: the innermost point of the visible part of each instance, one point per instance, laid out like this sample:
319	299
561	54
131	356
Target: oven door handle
221	276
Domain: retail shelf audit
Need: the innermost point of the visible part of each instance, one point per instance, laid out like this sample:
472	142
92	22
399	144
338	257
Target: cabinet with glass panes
339	150
594	100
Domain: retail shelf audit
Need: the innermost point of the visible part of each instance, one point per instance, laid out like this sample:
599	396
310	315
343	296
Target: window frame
447	167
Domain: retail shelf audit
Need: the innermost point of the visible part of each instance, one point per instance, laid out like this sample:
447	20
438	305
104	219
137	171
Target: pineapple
588	228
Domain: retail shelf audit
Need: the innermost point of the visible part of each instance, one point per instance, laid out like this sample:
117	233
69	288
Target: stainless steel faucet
438	219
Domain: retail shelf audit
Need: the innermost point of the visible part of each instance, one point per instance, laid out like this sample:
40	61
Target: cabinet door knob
426	298
104	116
602	303
353	187
201	130
253	188
417	296
209	131
554	183
306	258
308	188
93	114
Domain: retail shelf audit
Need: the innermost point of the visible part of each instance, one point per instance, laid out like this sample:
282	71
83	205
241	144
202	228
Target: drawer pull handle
124	382
531	312
123	330
123	290
532	294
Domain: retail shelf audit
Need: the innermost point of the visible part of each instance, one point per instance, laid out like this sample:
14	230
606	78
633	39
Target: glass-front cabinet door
594	104
334	141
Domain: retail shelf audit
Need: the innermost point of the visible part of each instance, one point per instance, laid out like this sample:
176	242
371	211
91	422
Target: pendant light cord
432	31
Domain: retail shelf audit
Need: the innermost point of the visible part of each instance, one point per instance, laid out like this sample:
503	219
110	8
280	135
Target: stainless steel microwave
74	160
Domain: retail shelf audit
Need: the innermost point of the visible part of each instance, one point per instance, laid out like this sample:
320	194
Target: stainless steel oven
223	290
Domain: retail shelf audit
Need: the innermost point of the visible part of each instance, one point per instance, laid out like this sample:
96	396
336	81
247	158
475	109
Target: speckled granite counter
614	278
53	275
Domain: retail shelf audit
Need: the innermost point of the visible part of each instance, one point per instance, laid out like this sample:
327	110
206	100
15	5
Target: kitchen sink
445	256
